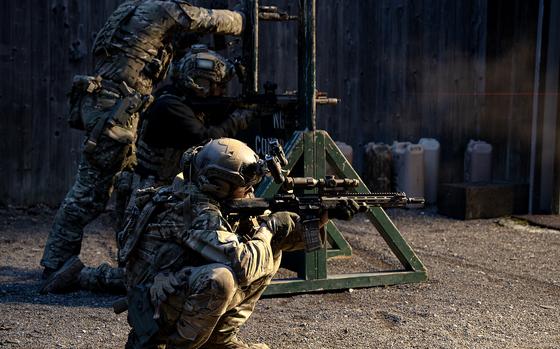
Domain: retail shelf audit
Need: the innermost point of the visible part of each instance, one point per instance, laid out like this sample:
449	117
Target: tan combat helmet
201	67
223	165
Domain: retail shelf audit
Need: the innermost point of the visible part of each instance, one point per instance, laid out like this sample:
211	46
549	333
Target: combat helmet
199	65
223	165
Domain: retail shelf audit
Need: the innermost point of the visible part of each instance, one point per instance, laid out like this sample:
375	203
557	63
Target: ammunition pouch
168	256
81	85
140	315
133	231
123	182
156	69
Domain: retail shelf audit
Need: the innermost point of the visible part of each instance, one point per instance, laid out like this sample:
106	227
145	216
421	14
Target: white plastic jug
346	150
408	164
377	167
431	168
478	162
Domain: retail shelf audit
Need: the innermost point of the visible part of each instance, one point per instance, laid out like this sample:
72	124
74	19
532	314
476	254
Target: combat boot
47	272
235	343
104	278
64	279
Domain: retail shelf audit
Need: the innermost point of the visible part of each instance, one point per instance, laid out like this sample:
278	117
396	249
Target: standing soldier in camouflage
193	277
131	53
171	125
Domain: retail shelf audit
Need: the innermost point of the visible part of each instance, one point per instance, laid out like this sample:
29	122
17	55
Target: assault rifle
315	208
332	199
267	103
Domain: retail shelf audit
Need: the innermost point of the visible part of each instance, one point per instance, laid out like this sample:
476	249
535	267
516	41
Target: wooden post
550	113
307	63
251	45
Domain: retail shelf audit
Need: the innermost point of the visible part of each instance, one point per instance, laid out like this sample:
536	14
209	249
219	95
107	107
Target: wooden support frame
315	149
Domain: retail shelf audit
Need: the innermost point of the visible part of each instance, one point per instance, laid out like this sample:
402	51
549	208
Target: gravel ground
493	284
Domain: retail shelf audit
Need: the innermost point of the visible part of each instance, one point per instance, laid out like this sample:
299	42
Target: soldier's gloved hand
164	285
345	209
241	119
287	229
281	224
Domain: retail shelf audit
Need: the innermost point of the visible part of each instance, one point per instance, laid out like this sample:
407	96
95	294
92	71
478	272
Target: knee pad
212	284
223	281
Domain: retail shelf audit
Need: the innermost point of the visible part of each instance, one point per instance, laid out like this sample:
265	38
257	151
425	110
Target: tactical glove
241	118
281	224
345	209
164	285
287	230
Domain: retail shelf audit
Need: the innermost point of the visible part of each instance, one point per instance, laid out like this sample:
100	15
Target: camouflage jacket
187	229
136	43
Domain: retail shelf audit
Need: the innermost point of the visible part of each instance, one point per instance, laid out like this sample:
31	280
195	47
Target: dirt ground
493	284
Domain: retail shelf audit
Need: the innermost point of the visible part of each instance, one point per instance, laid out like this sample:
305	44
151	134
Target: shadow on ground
21	285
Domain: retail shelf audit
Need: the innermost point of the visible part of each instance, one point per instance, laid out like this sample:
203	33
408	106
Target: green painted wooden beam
314	166
339	245
394	239
344	281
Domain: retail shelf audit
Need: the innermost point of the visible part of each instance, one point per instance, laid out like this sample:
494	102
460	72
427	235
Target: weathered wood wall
43	44
510	78
404	69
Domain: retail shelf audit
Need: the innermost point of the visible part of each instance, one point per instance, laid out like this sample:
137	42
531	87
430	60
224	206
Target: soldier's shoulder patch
207	216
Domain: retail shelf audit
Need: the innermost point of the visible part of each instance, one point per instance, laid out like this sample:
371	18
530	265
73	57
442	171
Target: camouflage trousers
104	278
206	313
92	188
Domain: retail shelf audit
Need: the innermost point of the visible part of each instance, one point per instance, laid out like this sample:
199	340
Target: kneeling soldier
193	277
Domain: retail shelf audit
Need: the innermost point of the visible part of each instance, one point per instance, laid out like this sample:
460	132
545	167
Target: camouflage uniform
159	150
220	275
131	53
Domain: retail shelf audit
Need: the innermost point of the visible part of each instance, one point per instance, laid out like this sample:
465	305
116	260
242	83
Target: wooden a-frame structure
311	150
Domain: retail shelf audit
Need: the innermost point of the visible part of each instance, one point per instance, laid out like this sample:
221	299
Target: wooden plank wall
510	77
404	69
43	44
414	68
401	72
